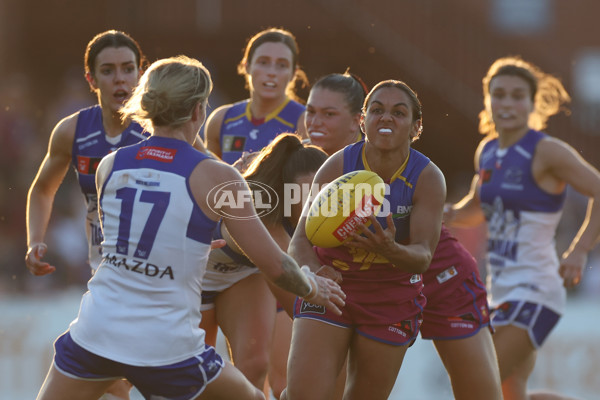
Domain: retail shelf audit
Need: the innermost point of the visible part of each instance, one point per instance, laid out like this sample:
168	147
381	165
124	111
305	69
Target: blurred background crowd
440	48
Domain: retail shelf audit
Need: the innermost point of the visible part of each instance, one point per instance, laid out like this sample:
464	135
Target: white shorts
222	272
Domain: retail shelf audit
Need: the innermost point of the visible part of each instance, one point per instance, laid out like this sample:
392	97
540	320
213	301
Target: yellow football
342	205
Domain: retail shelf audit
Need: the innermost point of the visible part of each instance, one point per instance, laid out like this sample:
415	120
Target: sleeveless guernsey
522	221
142	306
239	134
89	146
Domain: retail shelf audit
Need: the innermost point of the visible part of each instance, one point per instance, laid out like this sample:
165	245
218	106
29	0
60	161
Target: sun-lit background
440	48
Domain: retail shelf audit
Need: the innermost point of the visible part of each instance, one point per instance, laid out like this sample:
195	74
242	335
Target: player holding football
456	317
380	270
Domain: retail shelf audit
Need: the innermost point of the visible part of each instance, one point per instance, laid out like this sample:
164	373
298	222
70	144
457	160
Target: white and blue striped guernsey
142	307
522	220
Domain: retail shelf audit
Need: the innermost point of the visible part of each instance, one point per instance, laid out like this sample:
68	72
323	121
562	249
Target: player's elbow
420	263
423	264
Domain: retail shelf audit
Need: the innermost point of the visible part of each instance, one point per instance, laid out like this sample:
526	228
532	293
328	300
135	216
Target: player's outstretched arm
235	205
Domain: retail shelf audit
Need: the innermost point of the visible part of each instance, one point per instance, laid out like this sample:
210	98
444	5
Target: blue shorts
535	318
180	381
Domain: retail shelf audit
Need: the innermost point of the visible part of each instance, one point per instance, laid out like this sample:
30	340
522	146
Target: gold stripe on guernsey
283	121
273	114
228	120
397	174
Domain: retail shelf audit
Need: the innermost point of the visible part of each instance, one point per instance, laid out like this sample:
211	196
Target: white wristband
314	288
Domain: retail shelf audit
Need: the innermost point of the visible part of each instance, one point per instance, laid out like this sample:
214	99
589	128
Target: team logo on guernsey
156	153
513	179
87	165
233	143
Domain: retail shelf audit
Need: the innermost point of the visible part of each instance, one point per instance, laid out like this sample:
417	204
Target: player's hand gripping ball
341	206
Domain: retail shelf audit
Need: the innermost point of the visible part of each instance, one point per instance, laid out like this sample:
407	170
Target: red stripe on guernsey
358	216
156	153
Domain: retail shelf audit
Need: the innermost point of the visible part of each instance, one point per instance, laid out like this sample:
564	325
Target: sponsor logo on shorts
530	286
402	328
446	274
464	321
227	268
307	307
505	310
526	313
484	311
415	278
212	366
462	325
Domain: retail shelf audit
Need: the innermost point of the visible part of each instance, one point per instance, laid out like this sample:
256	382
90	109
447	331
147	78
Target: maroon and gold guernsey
384	301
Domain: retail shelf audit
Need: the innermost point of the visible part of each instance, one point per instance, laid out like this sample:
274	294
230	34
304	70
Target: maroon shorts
402	331
457	310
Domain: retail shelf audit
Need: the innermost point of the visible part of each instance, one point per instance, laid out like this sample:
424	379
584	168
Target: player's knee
118	391
254	367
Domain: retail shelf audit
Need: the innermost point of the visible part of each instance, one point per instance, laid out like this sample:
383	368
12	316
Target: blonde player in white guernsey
159	201
519	190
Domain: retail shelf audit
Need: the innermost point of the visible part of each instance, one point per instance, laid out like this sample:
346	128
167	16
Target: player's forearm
413	258
292	278
39	208
589	233
465	213
302	251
